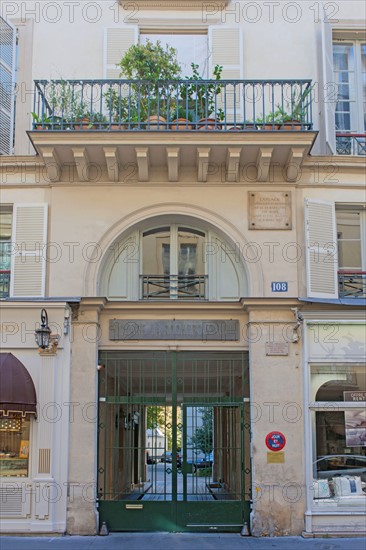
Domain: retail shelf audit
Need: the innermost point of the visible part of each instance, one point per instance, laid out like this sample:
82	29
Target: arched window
174	261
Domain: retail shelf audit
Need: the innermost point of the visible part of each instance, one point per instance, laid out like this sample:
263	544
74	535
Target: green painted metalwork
120	105
185	408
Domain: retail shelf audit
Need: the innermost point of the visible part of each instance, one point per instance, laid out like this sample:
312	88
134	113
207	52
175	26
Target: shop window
14	446
339	435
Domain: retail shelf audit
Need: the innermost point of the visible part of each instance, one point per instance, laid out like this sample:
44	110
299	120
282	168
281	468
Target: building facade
202	273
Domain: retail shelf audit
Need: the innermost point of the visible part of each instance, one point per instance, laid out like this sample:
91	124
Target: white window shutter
7	82
321	249
117	40
28	266
328	92
120	278
226	49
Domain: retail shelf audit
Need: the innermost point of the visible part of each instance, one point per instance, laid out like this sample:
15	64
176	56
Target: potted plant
152	92
295	115
272	121
46	122
65	102
116	106
41	122
200	97
181	118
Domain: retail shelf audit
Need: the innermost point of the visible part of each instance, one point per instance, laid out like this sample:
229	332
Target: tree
202	439
161	417
152	69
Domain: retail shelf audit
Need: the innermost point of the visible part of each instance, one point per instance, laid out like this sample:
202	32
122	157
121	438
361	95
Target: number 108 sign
279	286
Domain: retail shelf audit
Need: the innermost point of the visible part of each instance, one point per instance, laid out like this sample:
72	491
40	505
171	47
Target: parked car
329	466
202	461
167	456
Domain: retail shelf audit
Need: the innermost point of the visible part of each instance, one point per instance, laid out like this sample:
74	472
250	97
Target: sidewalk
178	541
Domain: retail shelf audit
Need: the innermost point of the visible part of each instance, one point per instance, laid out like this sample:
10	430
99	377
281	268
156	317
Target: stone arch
175	213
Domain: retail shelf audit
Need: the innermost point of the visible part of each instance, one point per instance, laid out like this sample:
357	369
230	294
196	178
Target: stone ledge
175	4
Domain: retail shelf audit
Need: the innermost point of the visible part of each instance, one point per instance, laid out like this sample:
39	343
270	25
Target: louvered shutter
7	81
321	249
28	269
328	90
117	40
226	49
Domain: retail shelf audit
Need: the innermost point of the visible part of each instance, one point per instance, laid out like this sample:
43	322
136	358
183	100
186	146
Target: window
14	446
6	213
351	227
339	443
191	48
335	249
173	263
349	58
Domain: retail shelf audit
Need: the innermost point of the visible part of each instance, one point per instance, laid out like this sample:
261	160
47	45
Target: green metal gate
173	446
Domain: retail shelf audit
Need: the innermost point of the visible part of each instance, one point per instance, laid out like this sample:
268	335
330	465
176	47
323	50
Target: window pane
14	446
191	48
334	382
343	62
156	252
5	236
190	252
349	239
363	63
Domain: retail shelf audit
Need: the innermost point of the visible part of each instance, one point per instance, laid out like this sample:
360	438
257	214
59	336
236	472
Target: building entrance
174	441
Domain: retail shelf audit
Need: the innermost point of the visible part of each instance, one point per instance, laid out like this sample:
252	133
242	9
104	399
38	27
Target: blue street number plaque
279	286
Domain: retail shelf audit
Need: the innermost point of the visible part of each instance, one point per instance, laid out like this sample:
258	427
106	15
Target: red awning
17	391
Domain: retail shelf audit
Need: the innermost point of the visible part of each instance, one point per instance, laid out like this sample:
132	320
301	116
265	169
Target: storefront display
14	446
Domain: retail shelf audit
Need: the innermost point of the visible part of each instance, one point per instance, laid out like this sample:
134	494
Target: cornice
174	4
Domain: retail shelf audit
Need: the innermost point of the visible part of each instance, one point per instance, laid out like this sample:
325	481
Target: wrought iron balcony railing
115	105
179	287
351	144
352	284
4	283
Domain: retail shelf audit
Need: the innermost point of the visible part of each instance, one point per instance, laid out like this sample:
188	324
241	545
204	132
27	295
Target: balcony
351	144
179	287
352	284
214	126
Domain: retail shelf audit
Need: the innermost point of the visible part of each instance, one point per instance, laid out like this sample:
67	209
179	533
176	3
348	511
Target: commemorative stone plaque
132	329
270	210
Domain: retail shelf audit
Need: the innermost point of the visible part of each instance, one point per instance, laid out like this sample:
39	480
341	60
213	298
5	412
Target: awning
17	391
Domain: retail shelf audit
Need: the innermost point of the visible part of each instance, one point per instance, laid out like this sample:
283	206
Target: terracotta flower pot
208	124
155	122
83	124
181	124
268	126
291	125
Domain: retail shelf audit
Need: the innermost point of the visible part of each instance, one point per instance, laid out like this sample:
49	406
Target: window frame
357	112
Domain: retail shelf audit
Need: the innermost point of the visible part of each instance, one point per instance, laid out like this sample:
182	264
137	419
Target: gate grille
174	427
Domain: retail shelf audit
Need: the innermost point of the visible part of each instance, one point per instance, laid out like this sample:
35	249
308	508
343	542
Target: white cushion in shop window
345	486
321	488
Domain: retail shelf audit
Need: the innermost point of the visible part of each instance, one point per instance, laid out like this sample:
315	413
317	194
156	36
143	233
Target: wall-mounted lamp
44	339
